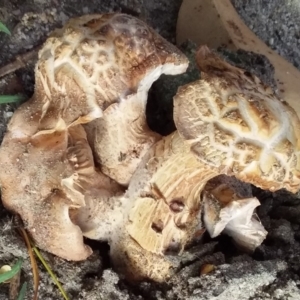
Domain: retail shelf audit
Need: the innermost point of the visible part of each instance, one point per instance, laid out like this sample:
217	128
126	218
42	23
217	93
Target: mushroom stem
100	216
169	180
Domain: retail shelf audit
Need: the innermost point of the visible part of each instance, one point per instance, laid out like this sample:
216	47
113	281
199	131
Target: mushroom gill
31	173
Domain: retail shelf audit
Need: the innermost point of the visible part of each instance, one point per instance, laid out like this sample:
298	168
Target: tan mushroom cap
121	137
89	68
238	126
95	61
43	177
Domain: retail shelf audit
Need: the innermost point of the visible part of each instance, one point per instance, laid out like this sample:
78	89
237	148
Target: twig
20	62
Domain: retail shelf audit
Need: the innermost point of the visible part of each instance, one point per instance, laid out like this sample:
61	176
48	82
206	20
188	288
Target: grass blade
10	274
47	267
22	291
4	29
11	98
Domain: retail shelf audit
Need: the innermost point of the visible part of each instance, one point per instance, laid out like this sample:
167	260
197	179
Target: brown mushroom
103	66
227	123
94	64
39	183
122	137
45	176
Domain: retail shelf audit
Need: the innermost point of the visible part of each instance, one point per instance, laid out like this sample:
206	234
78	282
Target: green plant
22	291
4	99
13	272
4	29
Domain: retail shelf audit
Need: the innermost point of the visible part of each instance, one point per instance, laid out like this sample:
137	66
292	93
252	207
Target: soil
271	272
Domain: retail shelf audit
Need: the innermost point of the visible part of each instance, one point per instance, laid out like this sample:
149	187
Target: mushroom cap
95	61
237	125
43	177
89	67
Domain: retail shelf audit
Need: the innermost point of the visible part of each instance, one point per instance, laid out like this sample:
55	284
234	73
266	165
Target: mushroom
227	123
122	137
100	67
97	70
96	66
44	177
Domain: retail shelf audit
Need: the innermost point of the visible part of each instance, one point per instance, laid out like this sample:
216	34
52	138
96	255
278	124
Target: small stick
20	62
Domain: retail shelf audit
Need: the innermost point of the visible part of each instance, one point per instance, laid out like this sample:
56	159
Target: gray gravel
276	22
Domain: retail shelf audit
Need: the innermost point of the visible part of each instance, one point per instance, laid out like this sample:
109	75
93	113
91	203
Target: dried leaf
35	271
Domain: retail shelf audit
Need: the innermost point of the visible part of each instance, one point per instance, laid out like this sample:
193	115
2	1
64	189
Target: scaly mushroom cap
92	64
122	137
238	126
96	60
227	123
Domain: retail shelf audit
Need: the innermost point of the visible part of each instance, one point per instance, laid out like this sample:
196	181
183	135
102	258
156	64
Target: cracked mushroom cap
97	60
122	137
238	126
103	66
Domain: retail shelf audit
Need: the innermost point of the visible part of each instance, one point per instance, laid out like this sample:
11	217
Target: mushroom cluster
79	160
